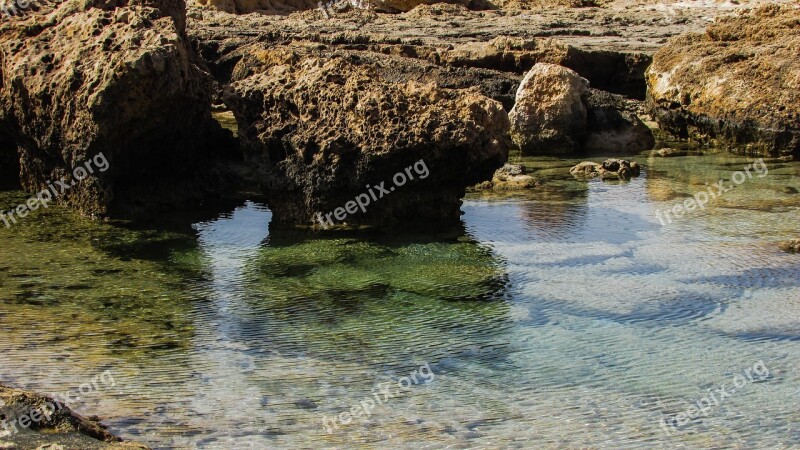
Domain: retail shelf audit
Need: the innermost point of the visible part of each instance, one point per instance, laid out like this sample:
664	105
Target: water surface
564	317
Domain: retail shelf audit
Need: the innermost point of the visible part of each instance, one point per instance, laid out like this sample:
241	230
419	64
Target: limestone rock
82	78
737	86
319	129
550	116
791	246
510	177
613	126
610	169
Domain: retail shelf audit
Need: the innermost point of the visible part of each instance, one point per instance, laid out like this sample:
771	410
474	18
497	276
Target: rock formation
549	116
610	169
320	128
81	78
510	177
737	86
613	125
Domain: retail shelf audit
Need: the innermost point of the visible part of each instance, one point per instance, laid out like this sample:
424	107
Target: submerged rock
670	152
610	169
737	86
550	116
323	130
84	78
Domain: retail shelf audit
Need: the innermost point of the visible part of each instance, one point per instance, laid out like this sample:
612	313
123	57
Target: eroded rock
737	86
610	169
550	116
81	78
320	128
510	177
791	246
613	125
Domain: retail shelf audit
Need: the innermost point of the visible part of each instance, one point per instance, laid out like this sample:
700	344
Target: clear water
565	317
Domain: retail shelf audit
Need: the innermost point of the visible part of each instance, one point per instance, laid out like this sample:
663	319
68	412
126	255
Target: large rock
320	128
80	78
614	126
550	116
330	7
737	86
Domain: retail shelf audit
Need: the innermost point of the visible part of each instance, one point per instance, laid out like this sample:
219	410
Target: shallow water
566	317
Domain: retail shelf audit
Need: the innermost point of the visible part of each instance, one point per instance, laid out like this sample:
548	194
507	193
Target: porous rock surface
319	128
736	86
610	169
549	116
80	78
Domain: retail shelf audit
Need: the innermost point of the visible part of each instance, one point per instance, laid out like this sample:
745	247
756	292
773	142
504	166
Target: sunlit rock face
737	86
319	129
80	79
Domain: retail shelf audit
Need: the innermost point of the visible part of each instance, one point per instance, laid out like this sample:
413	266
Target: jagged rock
737	86
610	169
791	246
52	425
613	125
510	177
613	71
319	129
82	78
550	116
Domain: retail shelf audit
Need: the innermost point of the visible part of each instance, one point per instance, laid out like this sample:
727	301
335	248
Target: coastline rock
670	152
613	125
610	169
59	428
550	116
81	78
737	86
319	129
510	177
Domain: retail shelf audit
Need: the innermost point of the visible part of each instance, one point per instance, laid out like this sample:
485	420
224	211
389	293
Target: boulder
670	152
323	129
737	86
613	125
610	169
550	116
117	78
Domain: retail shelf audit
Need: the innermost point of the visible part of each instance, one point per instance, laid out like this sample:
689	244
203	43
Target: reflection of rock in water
373	296
557	213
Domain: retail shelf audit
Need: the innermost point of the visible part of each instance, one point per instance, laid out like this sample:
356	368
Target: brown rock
82	78
737	86
320	128
549	116
610	169
791	246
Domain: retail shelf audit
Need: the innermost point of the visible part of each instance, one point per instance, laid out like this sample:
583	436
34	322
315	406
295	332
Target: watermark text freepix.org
12	8
714	397
54	190
363	410
45	411
701	199
373	193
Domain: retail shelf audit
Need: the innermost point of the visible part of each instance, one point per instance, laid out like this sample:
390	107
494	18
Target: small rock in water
610	169
791	246
305	404
669	152
510	177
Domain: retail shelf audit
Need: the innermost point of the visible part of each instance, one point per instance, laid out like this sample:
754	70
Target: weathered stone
791	246
550	116
670	152
613	125
319	129
510	177
610	169
737	86
83	78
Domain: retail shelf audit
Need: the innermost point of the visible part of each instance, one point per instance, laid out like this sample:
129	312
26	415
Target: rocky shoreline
326	104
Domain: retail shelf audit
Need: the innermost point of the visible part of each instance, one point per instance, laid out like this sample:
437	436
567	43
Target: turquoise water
563	317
